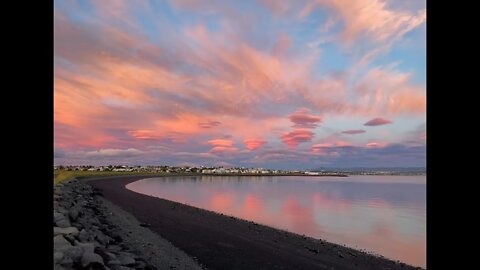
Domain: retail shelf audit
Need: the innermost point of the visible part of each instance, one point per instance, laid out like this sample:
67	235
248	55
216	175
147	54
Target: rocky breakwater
82	236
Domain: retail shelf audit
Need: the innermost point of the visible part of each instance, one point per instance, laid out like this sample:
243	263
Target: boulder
60	243
101	238
57	216
87	247
74	252
73	213
84	236
126	258
114	262
57	256
60	219
64	231
91	259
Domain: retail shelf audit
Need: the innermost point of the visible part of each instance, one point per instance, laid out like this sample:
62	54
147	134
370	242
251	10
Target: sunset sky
269	83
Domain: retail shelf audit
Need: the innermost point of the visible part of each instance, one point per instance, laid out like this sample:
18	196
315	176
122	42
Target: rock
70	238
116	237
63	231
145	225
84	236
114	248
90	259
73	213
59	267
114	262
140	264
57	256
63	223
57	216
110	255
101	238
62	210
66	261
74	252
87	247
120	267
59	243
126	258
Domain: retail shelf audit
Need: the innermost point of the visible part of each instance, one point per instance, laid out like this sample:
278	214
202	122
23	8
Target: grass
60	176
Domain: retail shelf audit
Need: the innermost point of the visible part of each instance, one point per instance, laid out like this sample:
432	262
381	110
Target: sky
280	84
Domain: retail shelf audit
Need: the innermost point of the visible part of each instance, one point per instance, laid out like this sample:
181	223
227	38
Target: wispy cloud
224	86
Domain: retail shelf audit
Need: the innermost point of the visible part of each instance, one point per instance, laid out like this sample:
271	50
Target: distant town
220	170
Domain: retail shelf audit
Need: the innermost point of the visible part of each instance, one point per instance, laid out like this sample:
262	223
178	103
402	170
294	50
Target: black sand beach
221	242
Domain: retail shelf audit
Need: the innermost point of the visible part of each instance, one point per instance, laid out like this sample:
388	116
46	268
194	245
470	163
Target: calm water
383	214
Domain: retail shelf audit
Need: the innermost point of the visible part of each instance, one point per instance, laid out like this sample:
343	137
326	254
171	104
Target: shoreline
218	241
92	233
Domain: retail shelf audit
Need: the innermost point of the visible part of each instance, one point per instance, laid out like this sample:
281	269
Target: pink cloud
343	144
143	134
353	131
209	124
373	19
222	146
223	149
384	90
303	119
253	144
297	136
320	148
377	122
221	143
375	145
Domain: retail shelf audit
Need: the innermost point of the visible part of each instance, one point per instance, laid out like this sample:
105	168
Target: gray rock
90	258
74	252
63	223
110	255
70	238
62	210
121	267
57	256
140	265
59	243
63	231
87	247
59	267
73	213
126	258
114	248
66	261
84	236
57	216
101	238
114	262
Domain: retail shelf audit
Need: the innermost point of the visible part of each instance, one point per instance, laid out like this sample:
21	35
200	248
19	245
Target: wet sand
221	242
